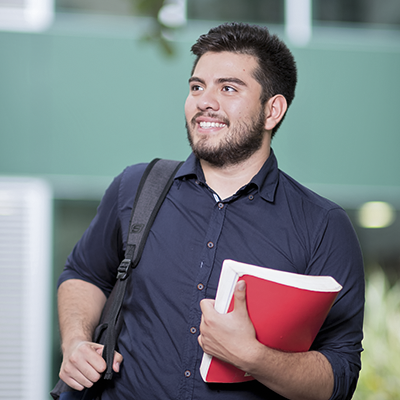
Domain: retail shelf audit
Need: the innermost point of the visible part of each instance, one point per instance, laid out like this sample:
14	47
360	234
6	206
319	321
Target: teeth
211	125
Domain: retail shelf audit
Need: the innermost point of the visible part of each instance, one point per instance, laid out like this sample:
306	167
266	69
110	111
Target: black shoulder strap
154	186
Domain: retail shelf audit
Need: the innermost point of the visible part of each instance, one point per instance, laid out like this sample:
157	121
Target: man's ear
275	109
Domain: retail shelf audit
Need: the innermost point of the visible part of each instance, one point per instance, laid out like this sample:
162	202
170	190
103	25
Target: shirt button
251	197
187	373
220	206
193	330
200	286
210	245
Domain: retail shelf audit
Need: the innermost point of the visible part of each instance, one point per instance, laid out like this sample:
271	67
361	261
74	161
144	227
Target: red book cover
286	309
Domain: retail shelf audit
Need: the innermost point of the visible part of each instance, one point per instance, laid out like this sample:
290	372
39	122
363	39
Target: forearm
79	306
296	376
79	309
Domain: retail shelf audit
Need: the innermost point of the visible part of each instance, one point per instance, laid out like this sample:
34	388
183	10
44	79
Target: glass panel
114	7
358	11
265	11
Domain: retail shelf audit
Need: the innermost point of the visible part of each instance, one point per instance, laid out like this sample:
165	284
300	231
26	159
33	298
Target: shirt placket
206	263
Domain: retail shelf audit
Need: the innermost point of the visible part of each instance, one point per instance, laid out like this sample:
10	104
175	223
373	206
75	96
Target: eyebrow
219	80
195	79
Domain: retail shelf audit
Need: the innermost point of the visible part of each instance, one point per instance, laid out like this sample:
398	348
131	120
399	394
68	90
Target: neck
227	180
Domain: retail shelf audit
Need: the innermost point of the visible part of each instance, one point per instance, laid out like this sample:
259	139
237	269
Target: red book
286	309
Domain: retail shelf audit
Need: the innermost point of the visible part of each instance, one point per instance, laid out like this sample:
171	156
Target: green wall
344	125
85	100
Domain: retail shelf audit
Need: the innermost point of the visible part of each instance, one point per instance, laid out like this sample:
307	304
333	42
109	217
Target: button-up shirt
273	221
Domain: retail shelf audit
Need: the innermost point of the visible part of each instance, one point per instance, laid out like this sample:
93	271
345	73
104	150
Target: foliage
158	33
380	374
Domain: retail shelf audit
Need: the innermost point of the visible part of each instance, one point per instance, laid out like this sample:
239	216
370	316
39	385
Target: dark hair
276	72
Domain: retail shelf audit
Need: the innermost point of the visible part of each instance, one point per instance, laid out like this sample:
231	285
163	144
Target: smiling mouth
208	125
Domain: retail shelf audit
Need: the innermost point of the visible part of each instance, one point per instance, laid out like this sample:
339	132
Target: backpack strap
153	187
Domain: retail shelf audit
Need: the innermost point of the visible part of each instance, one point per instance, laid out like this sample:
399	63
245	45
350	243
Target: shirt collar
266	180
191	167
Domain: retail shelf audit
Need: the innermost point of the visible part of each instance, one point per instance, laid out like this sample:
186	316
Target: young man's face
224	116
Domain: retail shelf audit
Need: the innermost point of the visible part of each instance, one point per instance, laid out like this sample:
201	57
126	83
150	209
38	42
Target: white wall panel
25	279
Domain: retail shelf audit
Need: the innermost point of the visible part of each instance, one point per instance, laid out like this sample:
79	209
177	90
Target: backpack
153	188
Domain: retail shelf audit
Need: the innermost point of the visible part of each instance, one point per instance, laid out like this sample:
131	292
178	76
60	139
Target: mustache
210	115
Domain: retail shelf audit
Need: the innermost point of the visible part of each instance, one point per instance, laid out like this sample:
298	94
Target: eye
195	88
228	89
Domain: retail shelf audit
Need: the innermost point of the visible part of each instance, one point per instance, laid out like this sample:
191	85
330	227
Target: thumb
117	361
118	358
98	348
240	297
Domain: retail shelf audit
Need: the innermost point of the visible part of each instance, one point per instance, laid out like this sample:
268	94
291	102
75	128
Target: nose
208	101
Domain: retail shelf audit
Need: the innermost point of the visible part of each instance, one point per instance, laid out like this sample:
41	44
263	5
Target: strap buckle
123	269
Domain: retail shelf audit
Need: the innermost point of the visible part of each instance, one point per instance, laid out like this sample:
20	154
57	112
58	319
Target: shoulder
298	193
130	177
316	214
123	191
133	172
123	187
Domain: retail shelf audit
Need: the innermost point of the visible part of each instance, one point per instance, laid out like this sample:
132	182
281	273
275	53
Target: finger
117	361
99	349
83	366
117	357
77	381
207	304
89	363
95	358
240	298
199	340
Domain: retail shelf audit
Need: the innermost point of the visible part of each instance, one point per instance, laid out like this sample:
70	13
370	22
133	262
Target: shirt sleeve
95	258
337	253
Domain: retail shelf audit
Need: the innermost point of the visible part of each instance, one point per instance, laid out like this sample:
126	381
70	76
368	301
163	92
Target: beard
240	143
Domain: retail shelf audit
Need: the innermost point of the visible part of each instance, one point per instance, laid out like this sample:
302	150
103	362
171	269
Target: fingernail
241	285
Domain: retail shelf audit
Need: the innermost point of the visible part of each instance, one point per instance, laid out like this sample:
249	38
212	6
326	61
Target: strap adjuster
123	269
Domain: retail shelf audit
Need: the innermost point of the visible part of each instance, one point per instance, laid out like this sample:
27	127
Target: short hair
276	72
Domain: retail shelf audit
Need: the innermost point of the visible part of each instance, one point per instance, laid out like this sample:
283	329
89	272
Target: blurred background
88	87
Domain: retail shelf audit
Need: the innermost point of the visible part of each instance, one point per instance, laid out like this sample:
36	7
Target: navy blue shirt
273	221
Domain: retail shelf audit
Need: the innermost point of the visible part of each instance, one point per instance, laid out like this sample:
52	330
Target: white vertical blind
26	15
298	21
25	279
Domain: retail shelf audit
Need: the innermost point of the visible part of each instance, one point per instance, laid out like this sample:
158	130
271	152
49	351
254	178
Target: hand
83	364
230	337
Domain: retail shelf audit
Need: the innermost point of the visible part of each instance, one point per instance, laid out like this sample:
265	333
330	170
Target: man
228	200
